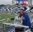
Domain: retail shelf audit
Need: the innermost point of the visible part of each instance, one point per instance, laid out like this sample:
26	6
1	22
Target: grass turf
6	15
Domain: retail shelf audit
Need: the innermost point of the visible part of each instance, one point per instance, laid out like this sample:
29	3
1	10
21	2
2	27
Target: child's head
18	13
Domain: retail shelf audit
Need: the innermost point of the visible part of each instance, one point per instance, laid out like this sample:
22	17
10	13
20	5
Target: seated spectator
18	19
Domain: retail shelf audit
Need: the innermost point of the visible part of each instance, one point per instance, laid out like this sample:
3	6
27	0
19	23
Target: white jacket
18	20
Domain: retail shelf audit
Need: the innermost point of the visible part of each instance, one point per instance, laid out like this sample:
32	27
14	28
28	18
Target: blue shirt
26	20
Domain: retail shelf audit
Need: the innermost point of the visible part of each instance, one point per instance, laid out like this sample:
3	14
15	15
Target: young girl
18	19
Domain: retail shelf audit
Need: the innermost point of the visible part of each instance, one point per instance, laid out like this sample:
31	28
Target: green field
6	15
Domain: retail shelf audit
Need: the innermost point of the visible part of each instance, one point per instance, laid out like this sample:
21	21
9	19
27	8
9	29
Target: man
25	17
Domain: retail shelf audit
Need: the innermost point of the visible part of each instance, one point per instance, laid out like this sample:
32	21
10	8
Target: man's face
21	11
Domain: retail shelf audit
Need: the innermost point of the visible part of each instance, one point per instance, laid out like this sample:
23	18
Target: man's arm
28	20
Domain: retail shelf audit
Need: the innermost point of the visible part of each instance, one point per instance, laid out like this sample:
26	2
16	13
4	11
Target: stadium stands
14	9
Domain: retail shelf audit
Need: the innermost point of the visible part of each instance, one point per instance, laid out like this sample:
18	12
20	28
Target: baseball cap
22	8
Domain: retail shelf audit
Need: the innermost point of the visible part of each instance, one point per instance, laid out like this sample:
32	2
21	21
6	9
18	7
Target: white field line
5	20
2	19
